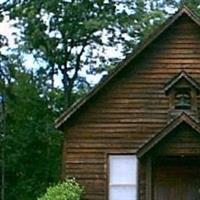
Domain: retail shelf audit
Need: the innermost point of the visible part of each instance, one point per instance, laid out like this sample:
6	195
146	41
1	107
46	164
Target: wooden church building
136	136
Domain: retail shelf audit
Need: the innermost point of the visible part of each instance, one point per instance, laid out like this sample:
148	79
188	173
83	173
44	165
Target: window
122	177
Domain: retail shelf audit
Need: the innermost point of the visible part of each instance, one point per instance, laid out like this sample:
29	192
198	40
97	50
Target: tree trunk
68	86
3	133
67	96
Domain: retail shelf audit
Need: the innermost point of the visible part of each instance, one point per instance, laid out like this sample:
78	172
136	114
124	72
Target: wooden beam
149	179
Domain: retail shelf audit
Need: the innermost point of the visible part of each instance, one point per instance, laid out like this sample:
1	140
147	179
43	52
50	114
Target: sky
6	29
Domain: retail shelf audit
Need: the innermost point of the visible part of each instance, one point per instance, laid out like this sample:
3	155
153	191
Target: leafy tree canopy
32	145
72	36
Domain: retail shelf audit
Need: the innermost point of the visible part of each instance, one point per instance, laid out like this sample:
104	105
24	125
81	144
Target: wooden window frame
108	173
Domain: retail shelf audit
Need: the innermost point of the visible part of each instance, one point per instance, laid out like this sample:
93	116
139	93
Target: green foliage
32	145
67	35
192	4
68	190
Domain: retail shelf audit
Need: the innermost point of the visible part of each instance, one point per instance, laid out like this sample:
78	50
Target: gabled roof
176	79
183	118
142	46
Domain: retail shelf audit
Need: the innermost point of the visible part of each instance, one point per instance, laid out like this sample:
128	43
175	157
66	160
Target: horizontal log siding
130	110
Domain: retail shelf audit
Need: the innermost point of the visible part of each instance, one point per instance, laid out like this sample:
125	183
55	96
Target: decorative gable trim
183	118
140	48
176	79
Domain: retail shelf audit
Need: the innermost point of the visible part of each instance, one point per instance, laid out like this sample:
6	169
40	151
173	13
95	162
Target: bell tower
182	91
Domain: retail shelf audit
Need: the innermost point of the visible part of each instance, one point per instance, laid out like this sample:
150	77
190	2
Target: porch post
149	179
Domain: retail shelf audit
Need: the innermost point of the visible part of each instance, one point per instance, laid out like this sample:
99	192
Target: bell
183	101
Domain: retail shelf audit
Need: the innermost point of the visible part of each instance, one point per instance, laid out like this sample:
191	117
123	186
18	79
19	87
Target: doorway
176	178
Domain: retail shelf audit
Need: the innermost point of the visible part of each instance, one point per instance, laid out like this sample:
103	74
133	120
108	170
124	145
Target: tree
5	71
71	36
32	145
65	34
5	78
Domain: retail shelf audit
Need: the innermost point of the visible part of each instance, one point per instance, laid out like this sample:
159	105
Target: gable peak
182	118
184	10
177	78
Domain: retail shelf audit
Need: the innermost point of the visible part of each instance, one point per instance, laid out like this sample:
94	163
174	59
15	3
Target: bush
68	190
